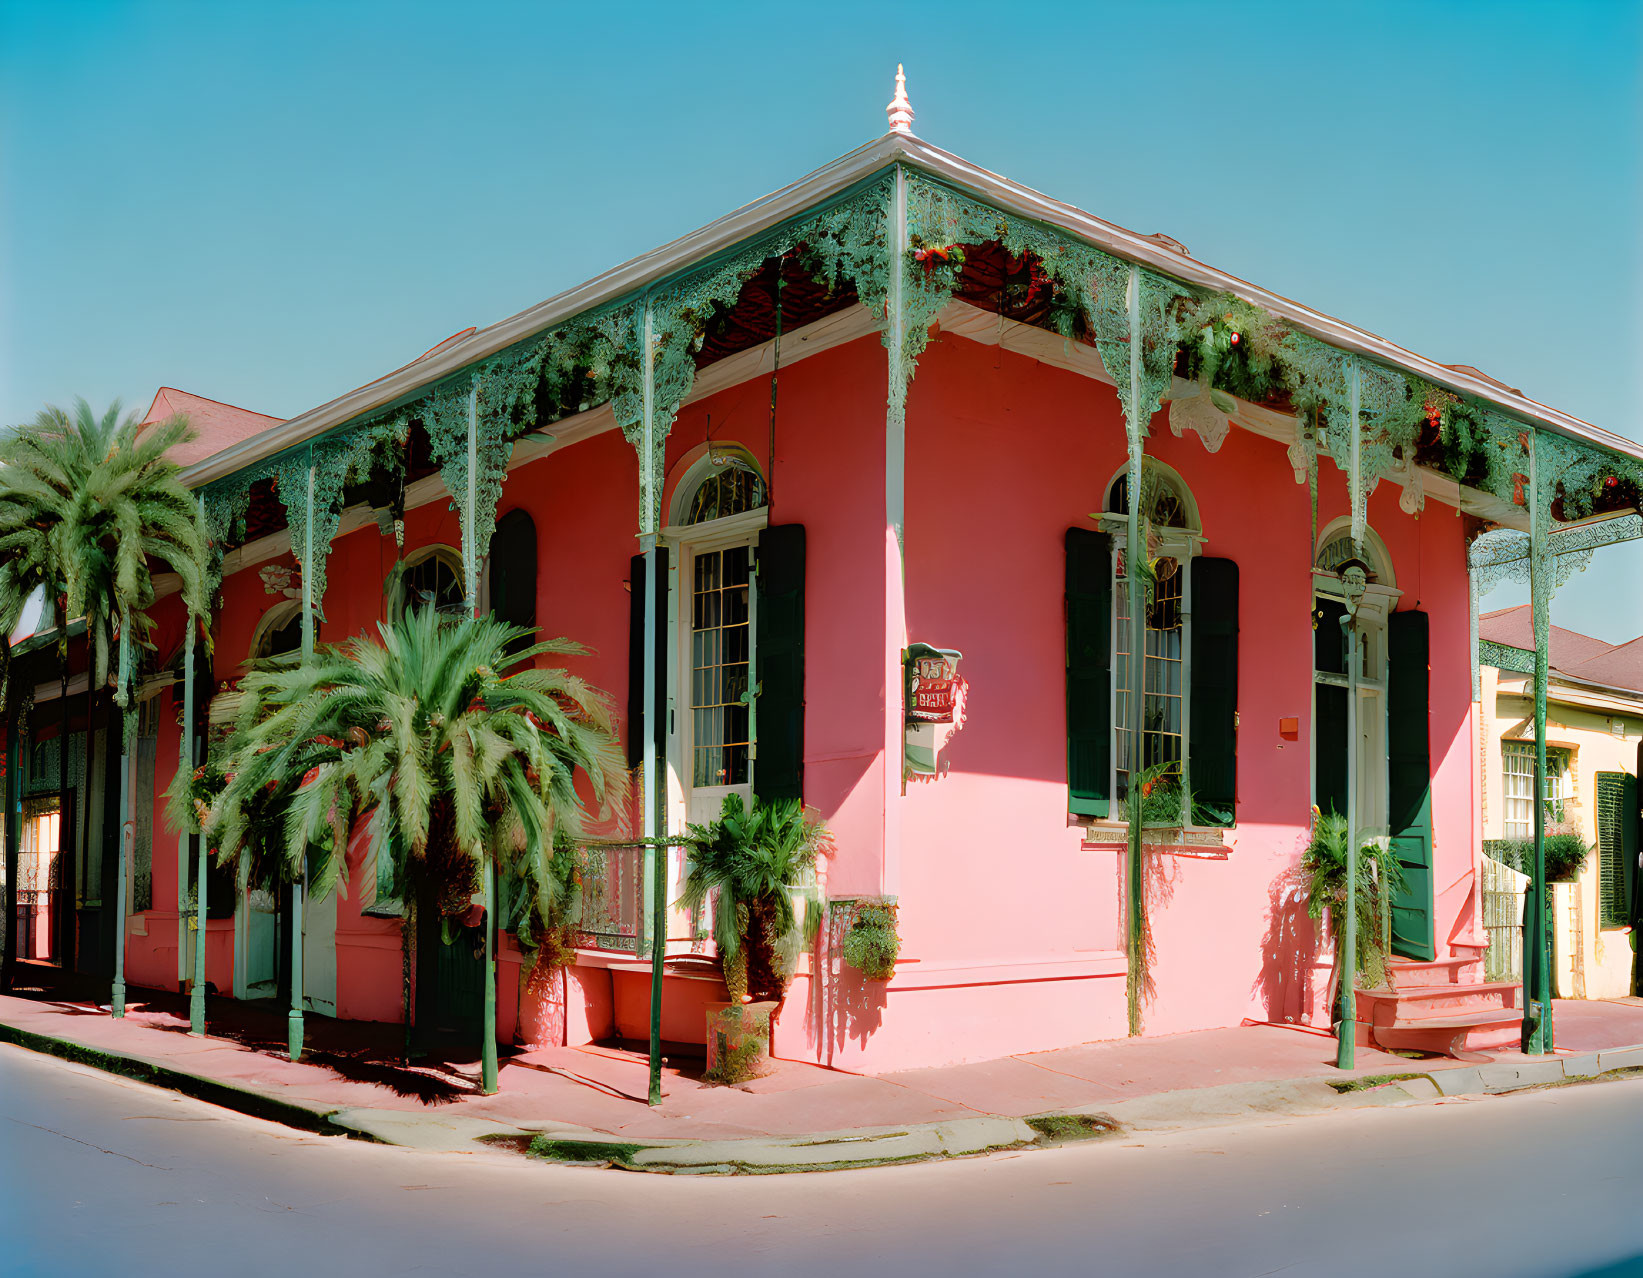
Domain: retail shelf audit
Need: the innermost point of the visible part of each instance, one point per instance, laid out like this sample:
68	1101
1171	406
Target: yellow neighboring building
1594	728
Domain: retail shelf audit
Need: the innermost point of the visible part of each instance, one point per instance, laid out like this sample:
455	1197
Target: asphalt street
99	1175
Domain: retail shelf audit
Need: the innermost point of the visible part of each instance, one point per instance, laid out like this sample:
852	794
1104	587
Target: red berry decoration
1235	339
1611	482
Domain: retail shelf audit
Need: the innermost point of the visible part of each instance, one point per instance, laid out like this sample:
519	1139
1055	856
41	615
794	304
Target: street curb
210	1090
855	1148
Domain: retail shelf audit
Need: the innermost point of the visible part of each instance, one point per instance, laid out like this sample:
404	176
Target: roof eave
826	182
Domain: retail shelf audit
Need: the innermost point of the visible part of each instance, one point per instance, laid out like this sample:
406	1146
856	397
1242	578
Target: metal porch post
1537	1012
299	886
1347	1035
650	786
117	995
470	585
196	994
1134	550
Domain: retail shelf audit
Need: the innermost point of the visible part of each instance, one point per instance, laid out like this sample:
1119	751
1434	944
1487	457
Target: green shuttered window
1616	846
1211	746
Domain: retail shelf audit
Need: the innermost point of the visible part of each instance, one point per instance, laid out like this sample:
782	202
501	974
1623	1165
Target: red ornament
1611	482
1235	339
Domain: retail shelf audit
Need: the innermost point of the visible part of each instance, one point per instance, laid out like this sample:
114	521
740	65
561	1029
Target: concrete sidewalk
591	1100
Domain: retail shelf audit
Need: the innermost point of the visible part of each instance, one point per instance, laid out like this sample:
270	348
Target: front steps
1441	1006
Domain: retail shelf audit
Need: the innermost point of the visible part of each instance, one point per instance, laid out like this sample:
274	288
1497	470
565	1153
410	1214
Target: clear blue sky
269	204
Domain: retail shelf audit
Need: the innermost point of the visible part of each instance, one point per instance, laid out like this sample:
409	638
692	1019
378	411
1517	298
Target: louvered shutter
778	765
1213	726
1089	672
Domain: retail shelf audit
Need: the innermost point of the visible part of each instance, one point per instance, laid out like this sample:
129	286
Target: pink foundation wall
1011	923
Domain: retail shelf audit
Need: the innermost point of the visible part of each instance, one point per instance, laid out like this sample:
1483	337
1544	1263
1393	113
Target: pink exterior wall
1011	922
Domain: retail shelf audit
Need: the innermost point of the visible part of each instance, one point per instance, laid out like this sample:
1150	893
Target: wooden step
1418	1002
1458	1036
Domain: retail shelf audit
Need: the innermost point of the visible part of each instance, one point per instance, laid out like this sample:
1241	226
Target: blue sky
269	204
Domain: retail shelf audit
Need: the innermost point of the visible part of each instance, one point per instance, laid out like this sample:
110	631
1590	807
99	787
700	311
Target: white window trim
1379	602
684	541
1183	545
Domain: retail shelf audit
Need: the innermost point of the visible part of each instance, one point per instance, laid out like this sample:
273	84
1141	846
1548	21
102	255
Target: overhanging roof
825	183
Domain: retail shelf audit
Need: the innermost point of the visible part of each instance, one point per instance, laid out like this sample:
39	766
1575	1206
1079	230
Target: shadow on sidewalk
442	1069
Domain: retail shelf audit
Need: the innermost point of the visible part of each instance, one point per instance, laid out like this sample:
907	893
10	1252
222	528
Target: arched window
1173	537
717	511
432	576
1330	681
279	631
725	481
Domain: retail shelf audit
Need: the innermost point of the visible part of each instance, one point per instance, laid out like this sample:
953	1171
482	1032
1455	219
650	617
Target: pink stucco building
740	406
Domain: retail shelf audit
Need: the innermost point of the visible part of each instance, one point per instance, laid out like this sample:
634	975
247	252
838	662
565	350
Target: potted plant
871	944
749	863
1323	874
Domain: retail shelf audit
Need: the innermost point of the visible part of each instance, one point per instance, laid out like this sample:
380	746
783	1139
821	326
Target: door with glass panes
715	594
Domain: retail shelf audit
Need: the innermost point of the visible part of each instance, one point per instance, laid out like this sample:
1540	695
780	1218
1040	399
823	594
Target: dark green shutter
1329	748
513	569
1409	781
637	719
1616	846
1089	672
778	766
1213	727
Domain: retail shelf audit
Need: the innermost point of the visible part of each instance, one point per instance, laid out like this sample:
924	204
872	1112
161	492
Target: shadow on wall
1289	952
844	1005
1158	872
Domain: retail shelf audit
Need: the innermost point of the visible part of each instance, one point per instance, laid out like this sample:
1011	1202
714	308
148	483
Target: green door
1409	782
459	980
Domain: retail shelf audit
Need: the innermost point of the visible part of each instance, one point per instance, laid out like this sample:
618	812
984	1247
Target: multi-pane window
1163	737
1518	769
720	653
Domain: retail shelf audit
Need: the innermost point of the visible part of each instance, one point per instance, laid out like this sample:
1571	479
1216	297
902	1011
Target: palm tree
459	751
88	506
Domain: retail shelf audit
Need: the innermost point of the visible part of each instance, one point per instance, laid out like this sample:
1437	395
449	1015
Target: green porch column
1347	1034
1537	1011
128	725
1135	590
470	586
185	761
299	886
652	817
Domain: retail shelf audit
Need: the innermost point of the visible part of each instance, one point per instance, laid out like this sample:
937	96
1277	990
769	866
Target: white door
319	955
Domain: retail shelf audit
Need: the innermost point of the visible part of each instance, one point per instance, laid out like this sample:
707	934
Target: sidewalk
800	1115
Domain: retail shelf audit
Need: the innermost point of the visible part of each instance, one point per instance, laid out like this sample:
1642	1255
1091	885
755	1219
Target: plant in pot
1323	875
750	863
871	944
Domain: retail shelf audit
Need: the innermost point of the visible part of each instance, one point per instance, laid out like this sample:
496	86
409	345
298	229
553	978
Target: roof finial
900	109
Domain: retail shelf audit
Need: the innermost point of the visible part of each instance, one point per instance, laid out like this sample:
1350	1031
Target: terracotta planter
738	1041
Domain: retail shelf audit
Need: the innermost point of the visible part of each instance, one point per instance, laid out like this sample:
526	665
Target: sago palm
748	863
446	733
